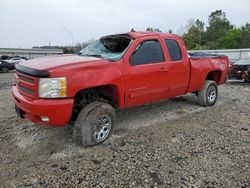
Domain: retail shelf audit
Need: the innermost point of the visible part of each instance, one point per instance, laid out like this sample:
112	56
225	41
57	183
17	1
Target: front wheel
94	124
209	93
5	69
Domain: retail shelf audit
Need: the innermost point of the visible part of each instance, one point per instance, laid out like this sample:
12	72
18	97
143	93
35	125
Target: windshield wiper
99	56
93	55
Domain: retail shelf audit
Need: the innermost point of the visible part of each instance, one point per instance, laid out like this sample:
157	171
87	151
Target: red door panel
145	83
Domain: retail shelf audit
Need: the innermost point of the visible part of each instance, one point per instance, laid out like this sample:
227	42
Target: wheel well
214	75
106	93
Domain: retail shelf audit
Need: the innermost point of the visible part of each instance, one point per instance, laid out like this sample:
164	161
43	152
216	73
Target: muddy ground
173	143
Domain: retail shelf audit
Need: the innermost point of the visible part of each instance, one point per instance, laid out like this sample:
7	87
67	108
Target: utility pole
71	35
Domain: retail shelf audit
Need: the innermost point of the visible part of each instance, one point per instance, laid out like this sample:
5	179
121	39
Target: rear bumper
57	110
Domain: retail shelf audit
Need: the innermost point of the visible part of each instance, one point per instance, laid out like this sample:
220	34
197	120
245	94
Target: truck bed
201	65
203	55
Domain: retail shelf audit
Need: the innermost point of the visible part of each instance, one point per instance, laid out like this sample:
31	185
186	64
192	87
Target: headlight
52	87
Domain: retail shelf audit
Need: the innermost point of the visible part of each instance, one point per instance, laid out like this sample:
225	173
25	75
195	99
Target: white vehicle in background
15	60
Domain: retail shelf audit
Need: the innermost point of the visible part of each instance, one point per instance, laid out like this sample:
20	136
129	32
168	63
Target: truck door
179	66
146	79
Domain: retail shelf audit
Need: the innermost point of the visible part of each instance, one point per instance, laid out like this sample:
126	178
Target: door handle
163	70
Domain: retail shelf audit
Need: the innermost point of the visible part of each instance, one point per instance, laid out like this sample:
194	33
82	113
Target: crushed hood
53	62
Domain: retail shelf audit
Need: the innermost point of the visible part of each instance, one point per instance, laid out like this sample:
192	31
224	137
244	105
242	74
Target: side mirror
132	60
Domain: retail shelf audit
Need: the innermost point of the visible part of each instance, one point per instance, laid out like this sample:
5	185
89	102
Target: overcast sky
28	23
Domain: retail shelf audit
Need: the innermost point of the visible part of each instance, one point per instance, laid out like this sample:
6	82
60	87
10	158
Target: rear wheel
94	124
5	69
209	93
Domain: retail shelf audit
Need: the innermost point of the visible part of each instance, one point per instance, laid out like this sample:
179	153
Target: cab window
173	49
148	52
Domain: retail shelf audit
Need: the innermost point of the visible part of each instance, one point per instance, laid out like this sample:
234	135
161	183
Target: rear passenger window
173	49
147	52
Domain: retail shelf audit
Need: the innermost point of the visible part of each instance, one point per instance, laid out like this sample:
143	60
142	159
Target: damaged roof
136	35
144	34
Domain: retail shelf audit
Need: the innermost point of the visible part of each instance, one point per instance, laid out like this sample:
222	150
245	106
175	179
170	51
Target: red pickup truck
115	72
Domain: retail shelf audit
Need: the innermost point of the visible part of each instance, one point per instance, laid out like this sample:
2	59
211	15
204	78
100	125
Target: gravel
173	143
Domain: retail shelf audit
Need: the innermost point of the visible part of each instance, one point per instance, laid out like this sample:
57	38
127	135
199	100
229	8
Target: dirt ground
173	143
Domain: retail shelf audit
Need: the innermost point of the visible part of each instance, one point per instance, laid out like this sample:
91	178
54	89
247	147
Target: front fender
90	78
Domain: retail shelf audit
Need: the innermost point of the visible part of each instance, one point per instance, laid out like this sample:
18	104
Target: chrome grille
27	79
26	84
26	90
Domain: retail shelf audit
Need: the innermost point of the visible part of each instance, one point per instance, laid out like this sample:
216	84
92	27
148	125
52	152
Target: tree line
219	34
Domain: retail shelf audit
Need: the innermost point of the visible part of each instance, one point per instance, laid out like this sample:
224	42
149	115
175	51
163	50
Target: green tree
193	37
231	40
245	40
153	29
218	26
67	50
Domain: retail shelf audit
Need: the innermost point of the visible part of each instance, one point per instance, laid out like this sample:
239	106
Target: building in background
29	53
